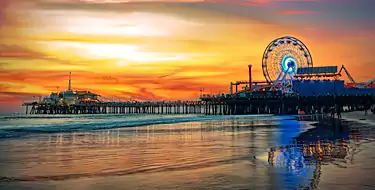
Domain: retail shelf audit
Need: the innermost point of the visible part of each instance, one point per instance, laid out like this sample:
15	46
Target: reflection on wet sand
195	155
114	152
312	152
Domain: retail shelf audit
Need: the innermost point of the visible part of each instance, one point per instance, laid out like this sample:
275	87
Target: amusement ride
281	59
287	60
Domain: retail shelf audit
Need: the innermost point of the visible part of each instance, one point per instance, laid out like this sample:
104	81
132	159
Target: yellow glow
122	63
119	27
118	51
114	24
200	73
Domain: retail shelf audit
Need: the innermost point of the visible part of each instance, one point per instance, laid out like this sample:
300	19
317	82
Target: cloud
17	51
11	97
4	87
130	1
4	16
142	94
21	85
27	77
11	100
187	86
294	12
232	2
257	2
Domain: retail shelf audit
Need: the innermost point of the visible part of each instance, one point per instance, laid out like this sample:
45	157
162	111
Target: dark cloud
46	77
4	18
17	51
49	80
13	51
294	12
17	97
169	74
343	14
188	86
141	94
4	87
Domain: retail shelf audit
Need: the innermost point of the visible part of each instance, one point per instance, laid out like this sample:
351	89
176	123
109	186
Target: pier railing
158	107
267	103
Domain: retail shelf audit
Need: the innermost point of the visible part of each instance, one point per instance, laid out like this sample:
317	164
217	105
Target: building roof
83	92
316	70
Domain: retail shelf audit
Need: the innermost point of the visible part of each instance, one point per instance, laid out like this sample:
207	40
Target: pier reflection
330	143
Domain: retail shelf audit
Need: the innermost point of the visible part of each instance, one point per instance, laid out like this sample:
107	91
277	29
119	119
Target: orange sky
168	49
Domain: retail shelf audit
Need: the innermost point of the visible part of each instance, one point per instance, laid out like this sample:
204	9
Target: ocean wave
84	116
8	131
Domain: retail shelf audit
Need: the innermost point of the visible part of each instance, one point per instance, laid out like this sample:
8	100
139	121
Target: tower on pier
70	82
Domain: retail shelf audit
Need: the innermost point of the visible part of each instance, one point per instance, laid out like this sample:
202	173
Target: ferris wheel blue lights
282	57
289	64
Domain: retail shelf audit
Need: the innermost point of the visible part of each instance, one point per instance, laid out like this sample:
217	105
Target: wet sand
359	116
350	165
194	155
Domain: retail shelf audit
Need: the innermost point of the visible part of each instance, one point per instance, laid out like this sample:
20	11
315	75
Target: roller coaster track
358	85
347	73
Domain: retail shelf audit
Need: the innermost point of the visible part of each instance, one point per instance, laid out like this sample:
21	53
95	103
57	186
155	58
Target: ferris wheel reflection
304	159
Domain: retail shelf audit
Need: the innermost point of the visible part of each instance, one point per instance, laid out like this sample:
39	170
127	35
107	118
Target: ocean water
184	152
19	125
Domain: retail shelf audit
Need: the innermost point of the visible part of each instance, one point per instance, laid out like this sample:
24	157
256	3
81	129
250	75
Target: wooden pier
175	107
216	105
285	105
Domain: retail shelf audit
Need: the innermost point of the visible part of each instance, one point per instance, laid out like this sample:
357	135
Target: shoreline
14	132
360	117
28	129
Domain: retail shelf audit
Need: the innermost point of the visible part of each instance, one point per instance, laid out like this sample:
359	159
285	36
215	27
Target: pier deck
216	105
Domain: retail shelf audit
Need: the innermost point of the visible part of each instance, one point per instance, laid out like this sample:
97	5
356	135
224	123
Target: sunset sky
168	49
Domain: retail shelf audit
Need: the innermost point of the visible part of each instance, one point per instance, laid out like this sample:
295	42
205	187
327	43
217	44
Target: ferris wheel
282	57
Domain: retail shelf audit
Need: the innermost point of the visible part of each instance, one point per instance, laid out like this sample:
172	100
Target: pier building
70	97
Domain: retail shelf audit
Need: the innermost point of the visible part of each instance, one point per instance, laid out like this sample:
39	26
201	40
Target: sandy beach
360	117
